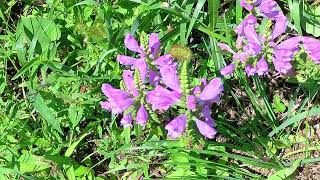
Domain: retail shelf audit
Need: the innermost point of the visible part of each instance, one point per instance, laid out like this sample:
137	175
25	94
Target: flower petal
126	60
205	129
161	98
154	45
126	120
177	126
211	93
226	71
128	79
132	44
142	116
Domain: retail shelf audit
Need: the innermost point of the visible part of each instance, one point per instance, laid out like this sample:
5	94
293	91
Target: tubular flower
206	129
206	115
129	82
250	70
168	71
312	48
126	121
191	102
284	53
211	92
262	67
227	70
177	126
161	98
140	63
142	116
118	100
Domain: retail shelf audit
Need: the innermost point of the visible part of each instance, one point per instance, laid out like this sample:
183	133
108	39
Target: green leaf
295	7
294	119
285	173
38	31
311	19
73	146
278	105
41	106
195	15
213	8
75	114
32	163
32	63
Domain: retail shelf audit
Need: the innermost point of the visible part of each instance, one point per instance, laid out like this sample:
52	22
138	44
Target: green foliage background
54	56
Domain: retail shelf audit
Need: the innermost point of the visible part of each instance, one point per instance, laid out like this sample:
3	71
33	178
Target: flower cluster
152	86
256	51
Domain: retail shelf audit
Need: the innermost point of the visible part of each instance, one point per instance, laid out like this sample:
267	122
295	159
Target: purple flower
154	78
262	67
241	56
225	47
164	60
191	102
154	45
168	71
211	92
140	63
132	44
126	120
312	48
161	98
142	116
206	129
284	53
226	71
252	49
250	70
282	67
170	78
129	82
269	9
250	20
206	114
280	26
177	126
246	5
118	100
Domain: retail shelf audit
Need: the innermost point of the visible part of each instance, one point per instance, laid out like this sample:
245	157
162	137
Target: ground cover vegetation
146	89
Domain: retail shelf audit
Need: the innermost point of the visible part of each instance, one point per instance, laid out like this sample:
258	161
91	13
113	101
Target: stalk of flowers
169	91
199	101
257	51
130	100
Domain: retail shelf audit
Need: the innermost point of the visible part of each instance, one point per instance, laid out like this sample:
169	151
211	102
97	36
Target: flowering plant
157	87
256	52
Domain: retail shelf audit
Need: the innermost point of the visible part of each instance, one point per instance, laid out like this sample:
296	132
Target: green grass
55	55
